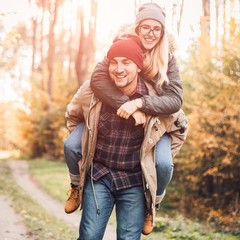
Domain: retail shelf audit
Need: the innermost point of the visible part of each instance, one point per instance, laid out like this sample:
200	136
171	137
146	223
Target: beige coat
86	107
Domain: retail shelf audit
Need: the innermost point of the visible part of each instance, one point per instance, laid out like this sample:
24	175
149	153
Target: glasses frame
151	30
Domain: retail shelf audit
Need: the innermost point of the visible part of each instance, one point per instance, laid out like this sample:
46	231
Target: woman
160	69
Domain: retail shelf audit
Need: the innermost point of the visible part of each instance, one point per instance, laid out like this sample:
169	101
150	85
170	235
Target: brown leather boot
148	223
73	201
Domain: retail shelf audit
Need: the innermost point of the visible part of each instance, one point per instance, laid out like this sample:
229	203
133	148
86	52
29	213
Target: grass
181	228
42	224
53	178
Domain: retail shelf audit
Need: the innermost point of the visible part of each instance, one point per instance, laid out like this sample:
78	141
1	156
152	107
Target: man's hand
128	108
139	117
80	164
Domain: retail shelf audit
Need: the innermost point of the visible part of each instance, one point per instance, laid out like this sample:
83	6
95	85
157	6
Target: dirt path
11	226
20	173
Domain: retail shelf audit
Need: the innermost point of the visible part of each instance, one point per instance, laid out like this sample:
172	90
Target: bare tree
34	35
174	15
86	50
42	61
177	12
217	4
224	21
180	17
52	8
137	3
92	31
205	20
70	55
79	68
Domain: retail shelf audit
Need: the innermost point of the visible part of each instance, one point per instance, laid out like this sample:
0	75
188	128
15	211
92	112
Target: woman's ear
137	29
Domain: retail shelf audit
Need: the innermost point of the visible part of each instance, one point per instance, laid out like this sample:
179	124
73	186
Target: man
112	171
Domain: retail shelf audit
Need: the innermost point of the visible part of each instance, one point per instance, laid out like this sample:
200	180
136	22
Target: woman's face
150	32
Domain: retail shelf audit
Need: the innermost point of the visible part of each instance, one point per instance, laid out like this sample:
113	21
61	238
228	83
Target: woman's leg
164	170
164	164
72	153
72	149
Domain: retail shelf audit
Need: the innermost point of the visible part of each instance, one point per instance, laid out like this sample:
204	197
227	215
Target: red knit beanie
129	47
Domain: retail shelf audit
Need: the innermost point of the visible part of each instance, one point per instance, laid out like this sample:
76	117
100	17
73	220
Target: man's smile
120	76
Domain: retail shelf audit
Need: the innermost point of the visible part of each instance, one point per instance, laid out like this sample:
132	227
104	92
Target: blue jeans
130	210
164	163
163	157
73	147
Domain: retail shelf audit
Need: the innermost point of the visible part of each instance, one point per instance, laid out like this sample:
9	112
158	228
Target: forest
43	61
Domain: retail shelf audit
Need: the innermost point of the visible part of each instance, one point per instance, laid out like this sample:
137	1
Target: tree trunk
174	16
217	21
50	60
80	71
70	58
42	62
180	17
34	39
86	50
34	46
92	30
70	49
205	21
224	21
60	39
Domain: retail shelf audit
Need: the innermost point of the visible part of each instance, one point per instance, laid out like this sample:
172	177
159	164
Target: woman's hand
128	108
139	117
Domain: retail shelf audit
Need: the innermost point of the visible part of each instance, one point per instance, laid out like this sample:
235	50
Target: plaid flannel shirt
118	146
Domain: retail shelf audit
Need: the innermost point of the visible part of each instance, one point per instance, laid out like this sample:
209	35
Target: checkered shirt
118	146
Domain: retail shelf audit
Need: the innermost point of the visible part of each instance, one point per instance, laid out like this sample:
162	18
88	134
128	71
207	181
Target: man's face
123	72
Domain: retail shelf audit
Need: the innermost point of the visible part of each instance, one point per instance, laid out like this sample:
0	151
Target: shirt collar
141	87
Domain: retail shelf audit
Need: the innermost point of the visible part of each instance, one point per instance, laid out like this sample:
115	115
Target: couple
126	126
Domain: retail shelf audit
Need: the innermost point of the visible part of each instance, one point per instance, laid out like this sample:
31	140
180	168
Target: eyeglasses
146	30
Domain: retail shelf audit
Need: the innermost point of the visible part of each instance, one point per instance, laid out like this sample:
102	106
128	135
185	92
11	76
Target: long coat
86	107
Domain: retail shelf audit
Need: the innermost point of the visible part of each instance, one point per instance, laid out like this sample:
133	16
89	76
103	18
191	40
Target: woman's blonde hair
155	61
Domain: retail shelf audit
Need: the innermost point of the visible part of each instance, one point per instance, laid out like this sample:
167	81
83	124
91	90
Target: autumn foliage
211	163
207	169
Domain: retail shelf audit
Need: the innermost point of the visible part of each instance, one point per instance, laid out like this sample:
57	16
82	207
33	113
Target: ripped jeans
163	157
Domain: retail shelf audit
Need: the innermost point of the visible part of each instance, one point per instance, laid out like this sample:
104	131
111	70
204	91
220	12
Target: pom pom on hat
150	11
128	46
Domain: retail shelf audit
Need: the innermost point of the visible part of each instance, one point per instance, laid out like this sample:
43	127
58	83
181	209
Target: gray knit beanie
150	11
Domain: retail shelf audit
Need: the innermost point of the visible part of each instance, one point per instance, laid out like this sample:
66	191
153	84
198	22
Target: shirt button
150	141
